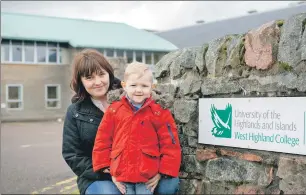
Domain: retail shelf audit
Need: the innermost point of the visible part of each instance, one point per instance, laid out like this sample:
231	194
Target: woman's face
96	84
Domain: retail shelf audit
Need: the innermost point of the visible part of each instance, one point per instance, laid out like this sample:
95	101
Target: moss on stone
241	44
235	183
205	48
280	23
224	48
303	25
241	50
285	66
228	39
222	53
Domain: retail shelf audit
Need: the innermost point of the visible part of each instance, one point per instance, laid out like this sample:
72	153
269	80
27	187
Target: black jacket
80	128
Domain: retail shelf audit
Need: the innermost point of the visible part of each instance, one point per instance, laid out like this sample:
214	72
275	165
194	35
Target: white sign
273	124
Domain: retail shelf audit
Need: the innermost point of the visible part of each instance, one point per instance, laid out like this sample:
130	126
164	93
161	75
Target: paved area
31	160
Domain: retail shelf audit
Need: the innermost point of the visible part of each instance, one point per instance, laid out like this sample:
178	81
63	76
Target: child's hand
152	183
106	170
119	185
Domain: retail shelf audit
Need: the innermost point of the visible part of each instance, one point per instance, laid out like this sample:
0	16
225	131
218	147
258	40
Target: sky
155	15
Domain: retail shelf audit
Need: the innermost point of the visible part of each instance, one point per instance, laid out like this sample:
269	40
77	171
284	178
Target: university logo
222	120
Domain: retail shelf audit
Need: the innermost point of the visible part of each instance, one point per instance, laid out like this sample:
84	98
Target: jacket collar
147	102
87	107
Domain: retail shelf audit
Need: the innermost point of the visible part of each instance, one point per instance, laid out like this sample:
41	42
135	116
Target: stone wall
266	62
119	65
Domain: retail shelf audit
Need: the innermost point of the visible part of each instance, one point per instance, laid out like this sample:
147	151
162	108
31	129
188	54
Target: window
52	94
129	56
41	51
52	52
148	58
109	53
60	55
29	51
17	51
5	50
158	56
62	46
14	96
101	51
138	56
120	53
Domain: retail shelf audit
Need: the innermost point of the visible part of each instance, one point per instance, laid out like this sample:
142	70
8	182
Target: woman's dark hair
86	63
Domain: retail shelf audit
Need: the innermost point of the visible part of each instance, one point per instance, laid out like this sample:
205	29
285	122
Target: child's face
138	88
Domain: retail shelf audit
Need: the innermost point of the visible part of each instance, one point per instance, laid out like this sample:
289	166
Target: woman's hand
119	185
152	183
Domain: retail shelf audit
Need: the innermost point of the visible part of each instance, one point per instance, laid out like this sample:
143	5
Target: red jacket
137	145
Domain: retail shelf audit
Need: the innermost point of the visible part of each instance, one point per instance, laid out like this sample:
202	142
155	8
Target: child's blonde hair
137	68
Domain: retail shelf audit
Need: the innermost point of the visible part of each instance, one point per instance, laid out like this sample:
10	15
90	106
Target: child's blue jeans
136	188
165	186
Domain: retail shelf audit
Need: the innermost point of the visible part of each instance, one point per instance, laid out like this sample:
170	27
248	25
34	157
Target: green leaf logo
222	120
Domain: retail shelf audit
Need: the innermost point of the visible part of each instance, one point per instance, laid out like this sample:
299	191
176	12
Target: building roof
200	34
80	33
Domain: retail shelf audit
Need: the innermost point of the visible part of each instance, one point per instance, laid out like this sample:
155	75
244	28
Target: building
202	33
36	56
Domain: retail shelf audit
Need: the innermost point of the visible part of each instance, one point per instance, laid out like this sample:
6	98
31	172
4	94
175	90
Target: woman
92	78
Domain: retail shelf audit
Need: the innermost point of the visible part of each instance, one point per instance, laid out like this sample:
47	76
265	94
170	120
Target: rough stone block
219	188
192	142
223	57
188	56
185	60
234	47
184	110
191	128
203	186
189	151
213	86
190	83
290	45
213	55
250	157
261	46
292	171
200	58
205	154
162	67
192	186
301	81
191	165
276	82
243	156
183	175
248	189
165	100
228	170
166	88
229	153
262	84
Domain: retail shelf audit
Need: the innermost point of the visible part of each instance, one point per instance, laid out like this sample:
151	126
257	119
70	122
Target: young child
137	139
